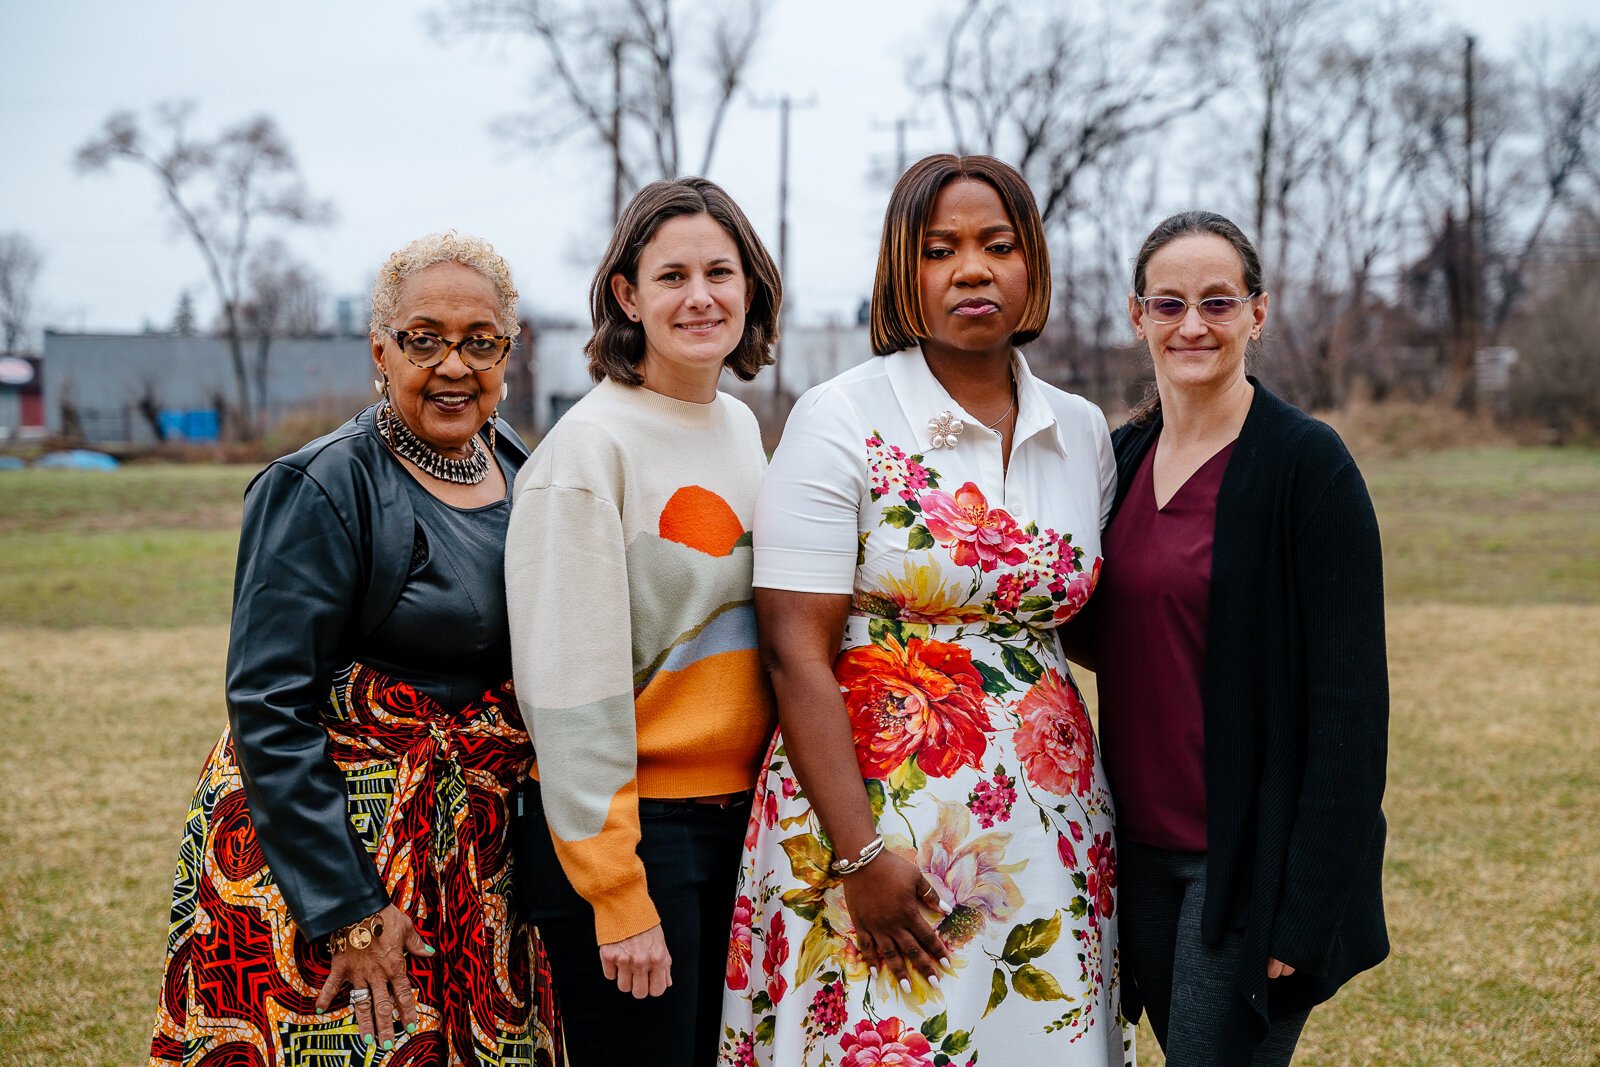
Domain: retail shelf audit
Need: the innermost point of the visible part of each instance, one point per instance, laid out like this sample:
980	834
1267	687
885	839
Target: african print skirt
427	794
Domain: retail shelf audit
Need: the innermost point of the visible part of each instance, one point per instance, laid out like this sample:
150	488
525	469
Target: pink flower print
790	789
772	960
739	950
1068	854
991	801
1008	592
828	1008
743	1053
1078	592
1077	829
977	535
769	811
1055	741
891	1043
1103	875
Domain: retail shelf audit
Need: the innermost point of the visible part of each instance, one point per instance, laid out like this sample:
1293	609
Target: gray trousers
1189	988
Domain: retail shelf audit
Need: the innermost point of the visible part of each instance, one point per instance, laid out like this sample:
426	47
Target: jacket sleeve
297	587
1338	820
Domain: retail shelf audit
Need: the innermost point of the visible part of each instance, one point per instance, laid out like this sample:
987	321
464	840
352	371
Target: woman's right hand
886	899
379	970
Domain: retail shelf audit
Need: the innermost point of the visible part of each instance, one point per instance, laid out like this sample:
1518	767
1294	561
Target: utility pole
1472	288
900	126
616	130
785	104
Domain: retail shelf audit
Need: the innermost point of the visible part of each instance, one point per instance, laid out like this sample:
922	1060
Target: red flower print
922	699
1068	854
769	811
828	1008
891	1043
773	958
977	535
1055	742
739	950
1103	875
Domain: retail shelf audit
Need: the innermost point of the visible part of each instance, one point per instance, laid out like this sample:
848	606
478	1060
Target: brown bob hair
897	321
617	346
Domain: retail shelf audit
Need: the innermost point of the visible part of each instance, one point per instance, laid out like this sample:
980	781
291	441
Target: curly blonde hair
450	247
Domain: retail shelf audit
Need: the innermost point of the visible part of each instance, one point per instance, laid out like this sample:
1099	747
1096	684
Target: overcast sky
347	79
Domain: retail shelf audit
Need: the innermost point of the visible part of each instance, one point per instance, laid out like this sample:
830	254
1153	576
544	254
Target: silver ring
359	995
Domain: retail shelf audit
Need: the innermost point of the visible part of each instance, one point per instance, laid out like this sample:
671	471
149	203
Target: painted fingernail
905	984
387	1045
411	1028
933	980
429	949
369	1039
944	906
944	961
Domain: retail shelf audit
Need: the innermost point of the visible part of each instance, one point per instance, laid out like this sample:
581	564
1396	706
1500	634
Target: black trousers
691	860
1190	989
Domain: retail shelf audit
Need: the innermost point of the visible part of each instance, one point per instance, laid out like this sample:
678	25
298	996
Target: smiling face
973	279
445	404
1193	354
690	296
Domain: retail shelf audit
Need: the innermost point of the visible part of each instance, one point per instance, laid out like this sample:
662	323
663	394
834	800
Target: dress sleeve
572	658
1339	579
807	512
297	587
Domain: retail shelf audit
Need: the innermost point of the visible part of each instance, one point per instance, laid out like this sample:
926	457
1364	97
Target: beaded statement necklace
407	445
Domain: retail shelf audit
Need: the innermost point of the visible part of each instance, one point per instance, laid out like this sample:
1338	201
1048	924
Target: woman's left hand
379	970
1278	969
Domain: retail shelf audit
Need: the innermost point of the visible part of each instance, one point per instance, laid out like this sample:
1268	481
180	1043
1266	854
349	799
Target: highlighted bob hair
897	321
616	348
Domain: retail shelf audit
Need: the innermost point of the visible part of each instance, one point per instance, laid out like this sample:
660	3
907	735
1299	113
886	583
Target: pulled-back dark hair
616	348
1188	224
897	318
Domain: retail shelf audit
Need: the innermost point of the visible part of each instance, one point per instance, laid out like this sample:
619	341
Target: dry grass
1493	876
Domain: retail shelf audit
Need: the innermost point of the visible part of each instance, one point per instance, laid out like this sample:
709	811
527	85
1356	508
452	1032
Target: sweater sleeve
572	658
1339	579
298	582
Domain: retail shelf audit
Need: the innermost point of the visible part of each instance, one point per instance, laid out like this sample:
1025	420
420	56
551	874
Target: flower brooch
945	428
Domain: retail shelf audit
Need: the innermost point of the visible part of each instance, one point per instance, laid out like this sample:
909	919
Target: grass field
113	602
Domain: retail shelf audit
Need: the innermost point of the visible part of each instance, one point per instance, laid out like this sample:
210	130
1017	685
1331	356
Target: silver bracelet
869	852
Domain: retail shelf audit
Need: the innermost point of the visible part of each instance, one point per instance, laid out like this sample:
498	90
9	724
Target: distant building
119	388
21	398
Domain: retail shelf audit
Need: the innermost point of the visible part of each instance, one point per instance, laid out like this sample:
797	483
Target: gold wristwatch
356	935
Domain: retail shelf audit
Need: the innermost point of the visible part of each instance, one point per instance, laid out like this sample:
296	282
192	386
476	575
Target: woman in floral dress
930	873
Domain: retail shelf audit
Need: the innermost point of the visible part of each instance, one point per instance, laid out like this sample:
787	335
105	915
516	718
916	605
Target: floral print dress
974	744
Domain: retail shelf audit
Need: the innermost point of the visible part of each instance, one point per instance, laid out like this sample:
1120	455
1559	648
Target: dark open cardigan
1296	699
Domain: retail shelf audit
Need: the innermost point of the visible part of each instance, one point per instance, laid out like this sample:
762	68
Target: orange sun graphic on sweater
701	520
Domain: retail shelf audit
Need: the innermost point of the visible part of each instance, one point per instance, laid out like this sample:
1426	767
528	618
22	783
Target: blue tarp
77	459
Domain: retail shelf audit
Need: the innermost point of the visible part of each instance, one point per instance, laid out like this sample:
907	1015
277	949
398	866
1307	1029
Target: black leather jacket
324	553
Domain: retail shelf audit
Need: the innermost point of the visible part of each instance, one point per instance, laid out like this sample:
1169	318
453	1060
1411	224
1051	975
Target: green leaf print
1079	906
1029	941
997	991
994	682
1036	984
956	1042
935	1027
899	516
876	797
861	548
879	631
804	902
765	1029
907	780
761	1003
919	539
1020	662
1035	603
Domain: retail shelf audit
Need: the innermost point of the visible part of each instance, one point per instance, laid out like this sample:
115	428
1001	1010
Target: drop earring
381	386
505	391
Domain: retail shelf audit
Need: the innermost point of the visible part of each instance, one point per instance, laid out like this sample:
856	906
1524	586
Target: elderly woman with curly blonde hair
343	883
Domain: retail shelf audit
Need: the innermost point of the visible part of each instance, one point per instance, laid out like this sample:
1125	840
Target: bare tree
618	71
1060	91
219	191
20	261
283	298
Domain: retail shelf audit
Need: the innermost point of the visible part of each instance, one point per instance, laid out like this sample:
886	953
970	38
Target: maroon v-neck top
1150	648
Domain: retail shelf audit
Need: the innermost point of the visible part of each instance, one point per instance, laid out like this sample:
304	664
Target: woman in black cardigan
1238	635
